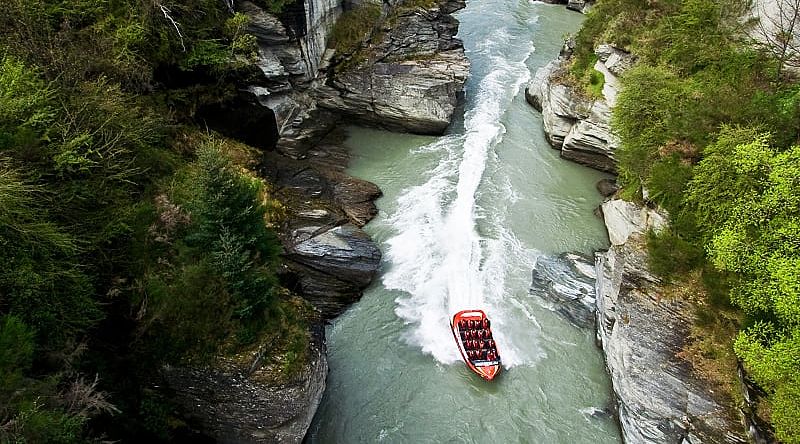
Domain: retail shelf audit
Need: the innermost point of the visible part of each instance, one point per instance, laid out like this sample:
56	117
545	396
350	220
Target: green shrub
230	225
354	28
670	255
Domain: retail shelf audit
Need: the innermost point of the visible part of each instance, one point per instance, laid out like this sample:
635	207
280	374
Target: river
463	220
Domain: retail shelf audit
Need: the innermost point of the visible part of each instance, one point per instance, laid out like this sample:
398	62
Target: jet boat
473	334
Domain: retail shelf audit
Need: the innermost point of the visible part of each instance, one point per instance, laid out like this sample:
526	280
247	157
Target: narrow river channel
462	223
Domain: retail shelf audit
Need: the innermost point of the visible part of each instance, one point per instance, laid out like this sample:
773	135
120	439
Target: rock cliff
237	400
658	397
577	125
411	79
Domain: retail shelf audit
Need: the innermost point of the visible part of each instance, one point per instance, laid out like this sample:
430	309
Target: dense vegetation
709	122
128	237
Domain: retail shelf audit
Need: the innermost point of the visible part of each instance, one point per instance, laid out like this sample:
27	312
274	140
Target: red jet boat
473	334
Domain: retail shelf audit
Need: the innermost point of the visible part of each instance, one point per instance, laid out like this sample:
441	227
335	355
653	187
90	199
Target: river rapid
463	220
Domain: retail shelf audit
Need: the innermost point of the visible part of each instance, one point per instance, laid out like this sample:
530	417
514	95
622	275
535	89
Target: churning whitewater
438	258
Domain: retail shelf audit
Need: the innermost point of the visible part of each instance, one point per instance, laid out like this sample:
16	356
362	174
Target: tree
777	31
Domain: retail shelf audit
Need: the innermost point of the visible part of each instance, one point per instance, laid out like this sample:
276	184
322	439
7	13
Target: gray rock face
624	219
412	79
659	398
346	252
235	403
328	259
569	282
289	59
333	265
616	60
576	125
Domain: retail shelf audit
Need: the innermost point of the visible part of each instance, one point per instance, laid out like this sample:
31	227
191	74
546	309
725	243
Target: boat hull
487	369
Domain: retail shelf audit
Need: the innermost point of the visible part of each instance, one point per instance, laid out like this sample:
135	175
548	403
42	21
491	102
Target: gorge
250	221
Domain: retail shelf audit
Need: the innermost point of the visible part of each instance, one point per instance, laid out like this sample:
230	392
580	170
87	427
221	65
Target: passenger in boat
486	323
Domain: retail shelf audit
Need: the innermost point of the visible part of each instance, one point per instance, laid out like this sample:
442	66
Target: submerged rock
568	281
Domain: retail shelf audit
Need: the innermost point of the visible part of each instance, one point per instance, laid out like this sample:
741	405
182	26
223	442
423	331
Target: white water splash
437	257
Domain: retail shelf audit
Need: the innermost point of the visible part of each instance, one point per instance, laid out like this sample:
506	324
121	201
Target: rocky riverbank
659	399
290	102
658	396
411	76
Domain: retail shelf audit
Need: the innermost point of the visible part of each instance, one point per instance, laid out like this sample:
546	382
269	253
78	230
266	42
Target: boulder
623	219
607	187
346	252
332	265
237	401
357	199
616	60
582	6
568	282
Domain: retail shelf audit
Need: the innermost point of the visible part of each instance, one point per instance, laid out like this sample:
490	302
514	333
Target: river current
463	220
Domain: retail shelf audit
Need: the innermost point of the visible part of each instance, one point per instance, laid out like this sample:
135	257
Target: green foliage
36	423
230	223
652	109
670	255
16	354
710	134
93	253
209	278
354	27
747	194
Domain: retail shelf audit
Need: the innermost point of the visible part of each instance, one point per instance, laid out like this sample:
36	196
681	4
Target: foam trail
437	257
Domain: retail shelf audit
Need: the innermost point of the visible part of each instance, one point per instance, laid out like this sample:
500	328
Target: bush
670	255
354	28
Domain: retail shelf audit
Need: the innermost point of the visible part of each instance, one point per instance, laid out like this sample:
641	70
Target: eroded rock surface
329	260
577	125
411	80
659	398
568	282
237	401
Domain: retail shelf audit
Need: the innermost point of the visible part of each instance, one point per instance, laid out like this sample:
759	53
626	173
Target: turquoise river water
463	220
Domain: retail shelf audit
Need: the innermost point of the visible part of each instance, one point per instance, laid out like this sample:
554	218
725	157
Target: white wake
437	257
